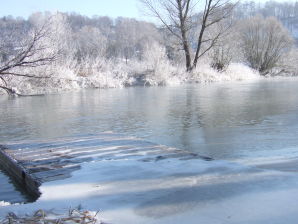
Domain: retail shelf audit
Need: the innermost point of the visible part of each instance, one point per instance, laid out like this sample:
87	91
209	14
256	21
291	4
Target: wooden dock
32	163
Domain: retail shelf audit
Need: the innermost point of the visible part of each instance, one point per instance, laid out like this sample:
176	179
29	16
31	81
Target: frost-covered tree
288	64
179	17
29	51
89	43
159	70
223	50
264	42
59	34
285	11
222	53
131	36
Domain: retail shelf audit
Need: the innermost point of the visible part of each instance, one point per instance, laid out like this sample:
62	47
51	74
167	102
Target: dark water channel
221	120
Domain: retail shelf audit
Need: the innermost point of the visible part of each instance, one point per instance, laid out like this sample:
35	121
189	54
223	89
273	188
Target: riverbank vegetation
50	52
41	216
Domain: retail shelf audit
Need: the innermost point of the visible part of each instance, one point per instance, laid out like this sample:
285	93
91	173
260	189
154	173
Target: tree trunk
200	39
183	29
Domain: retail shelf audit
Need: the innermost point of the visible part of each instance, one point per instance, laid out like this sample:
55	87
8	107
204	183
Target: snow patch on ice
4	203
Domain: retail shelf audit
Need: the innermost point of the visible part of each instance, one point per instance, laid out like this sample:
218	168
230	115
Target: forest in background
50	52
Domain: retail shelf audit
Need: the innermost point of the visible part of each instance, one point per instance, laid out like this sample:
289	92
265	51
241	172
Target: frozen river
239	121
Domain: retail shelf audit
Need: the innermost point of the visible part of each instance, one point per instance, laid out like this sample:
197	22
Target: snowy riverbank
106	74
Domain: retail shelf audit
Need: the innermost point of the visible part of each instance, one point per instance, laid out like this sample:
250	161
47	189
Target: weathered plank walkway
33	163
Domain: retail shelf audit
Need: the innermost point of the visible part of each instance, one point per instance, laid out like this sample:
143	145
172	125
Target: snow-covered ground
173	191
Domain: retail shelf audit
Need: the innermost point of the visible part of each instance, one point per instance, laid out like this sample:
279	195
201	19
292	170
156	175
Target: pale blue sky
112	8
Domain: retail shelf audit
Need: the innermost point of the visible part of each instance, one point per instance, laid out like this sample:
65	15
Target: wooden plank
19	173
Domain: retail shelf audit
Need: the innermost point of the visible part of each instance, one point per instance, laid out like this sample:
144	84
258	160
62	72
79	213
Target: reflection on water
217	120
11	191
223	121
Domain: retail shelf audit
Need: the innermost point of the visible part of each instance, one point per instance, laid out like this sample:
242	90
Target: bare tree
179	17
264	42
28	53
221	56
226	48
89	42
131	36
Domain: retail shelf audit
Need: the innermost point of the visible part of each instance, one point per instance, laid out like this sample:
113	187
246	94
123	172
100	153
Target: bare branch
8	90
24	75
29	53
3	80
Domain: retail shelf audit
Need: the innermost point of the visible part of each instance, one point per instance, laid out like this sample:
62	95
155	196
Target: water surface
221	120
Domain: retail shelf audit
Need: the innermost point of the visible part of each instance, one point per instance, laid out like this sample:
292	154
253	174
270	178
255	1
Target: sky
112	8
